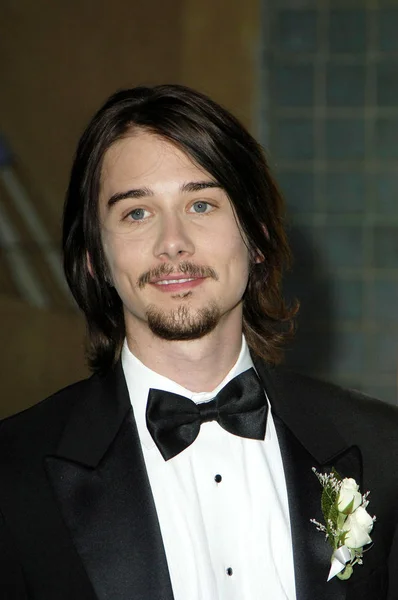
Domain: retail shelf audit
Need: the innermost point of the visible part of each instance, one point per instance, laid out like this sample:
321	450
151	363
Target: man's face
175	253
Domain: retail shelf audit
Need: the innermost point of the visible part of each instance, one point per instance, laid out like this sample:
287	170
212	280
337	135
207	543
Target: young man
182	469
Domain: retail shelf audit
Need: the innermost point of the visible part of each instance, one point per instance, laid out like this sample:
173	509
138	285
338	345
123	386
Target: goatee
182	324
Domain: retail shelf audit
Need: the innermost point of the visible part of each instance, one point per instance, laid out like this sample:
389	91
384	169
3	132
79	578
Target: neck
198	365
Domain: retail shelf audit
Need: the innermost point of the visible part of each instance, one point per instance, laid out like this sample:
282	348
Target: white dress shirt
221	503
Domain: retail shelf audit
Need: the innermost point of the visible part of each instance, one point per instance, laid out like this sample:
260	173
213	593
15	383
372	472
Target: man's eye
200	206
137	214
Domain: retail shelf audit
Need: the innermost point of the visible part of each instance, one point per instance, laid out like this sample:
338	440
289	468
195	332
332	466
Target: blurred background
315	80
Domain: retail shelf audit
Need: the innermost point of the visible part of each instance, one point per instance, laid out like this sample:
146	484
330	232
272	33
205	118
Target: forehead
148	158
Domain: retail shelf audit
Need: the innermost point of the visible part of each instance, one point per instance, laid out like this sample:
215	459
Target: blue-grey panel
386	193
345	85
294	139
293	85
298	190
347	299
349	354
345	192
386	138
387	82
384	301
345	138
340	246
385	246
388	28
385	351
347	30
296	31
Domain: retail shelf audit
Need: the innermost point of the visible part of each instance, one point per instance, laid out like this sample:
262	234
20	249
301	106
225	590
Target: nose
173	239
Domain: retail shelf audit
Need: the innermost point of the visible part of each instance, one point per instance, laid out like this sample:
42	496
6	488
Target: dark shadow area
313	347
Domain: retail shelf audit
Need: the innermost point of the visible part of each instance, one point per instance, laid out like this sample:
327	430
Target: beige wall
220	47
58	62
40	352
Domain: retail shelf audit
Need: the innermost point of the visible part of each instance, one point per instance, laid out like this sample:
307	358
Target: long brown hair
216	141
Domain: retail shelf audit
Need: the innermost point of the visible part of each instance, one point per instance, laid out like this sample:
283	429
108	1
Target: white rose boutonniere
357	526
349	496
347	522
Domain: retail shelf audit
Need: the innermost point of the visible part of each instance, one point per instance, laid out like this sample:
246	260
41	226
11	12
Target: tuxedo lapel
311	551
308	440
100	481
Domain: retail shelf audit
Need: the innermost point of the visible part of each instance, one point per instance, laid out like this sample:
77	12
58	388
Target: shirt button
229	571
217	478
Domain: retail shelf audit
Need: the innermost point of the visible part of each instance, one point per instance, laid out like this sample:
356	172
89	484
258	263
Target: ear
107	277
89	265
259	256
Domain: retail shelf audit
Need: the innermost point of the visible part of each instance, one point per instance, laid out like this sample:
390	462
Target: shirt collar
140	379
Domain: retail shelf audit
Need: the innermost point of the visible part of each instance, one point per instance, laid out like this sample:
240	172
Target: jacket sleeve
12	585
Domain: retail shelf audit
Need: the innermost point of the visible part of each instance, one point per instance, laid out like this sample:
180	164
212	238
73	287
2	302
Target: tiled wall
330	124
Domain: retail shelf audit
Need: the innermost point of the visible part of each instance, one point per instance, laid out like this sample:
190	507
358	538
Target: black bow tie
174	421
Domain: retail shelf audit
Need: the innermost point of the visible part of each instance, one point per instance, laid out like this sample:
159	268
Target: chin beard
182	324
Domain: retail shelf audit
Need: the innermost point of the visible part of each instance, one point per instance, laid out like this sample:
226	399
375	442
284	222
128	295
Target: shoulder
326	394
301	398
354	413
39	426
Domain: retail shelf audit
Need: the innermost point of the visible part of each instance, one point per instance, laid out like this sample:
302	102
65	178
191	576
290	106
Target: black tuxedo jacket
78	519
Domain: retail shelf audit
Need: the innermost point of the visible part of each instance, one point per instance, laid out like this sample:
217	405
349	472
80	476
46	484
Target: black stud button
229	571
218	478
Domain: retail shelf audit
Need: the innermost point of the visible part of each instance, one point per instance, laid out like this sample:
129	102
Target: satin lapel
308	440
310	549
100	481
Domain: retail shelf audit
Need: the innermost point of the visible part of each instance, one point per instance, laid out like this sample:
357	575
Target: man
183	467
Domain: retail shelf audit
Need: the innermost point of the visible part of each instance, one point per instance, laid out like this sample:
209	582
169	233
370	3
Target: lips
171	281
176	284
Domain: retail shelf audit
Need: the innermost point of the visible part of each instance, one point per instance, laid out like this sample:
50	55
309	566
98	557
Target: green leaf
327	501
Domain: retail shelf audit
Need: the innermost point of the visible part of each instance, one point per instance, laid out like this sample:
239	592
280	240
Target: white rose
358	526
349	498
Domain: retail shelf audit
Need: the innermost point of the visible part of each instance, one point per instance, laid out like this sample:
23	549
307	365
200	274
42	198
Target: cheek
239	251
237	262
117	256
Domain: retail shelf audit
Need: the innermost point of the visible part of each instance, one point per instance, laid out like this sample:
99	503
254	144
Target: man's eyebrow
197	186
135	193
192	186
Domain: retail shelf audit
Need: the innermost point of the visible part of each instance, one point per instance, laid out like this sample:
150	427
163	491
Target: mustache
187	268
